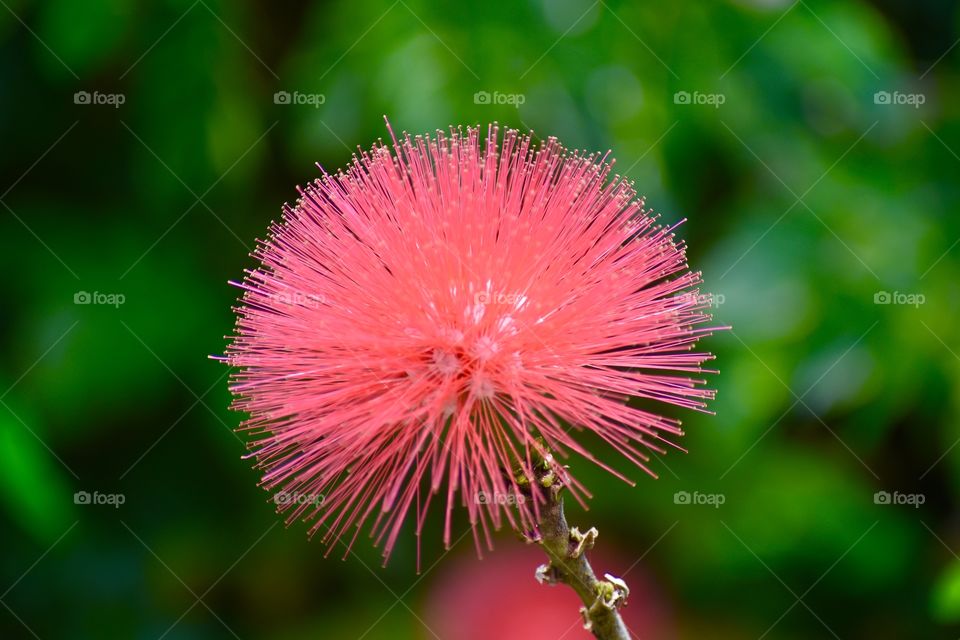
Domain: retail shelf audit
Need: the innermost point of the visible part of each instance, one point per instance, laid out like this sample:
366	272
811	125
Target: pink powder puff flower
447	310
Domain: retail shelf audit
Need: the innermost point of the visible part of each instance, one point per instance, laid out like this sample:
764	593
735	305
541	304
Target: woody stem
566	547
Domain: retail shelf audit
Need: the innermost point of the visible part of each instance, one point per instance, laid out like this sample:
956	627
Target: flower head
446	312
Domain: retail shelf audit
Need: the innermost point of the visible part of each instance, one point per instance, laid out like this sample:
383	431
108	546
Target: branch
566	547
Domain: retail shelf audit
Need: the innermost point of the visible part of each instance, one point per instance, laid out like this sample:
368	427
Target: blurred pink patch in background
498	598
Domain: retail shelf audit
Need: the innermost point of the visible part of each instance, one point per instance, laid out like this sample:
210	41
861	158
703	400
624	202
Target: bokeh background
812	146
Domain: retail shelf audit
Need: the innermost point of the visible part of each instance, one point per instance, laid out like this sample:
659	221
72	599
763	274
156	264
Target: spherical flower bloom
447	311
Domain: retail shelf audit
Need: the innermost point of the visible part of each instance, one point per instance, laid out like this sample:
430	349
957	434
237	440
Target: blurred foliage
805	197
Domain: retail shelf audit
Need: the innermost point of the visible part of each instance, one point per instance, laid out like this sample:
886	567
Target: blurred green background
813	147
